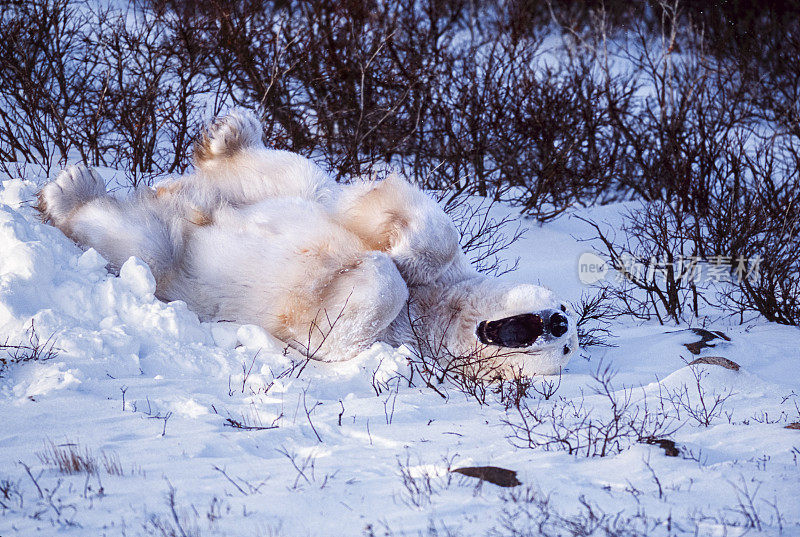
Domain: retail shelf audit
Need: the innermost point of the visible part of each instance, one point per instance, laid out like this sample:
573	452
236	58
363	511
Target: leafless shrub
100	85
305	468
12	497
696	401
654	284
51	502
45	69
420	485
177	523
512	392
701	157
546	388
65	502
429	361
446	95
483	237
771	193
186	520
749	510
434	529
319	330
594	313
33	350
795	400
674	261
530	513
308	412
249	422
242	485
474	374
417	490
245	374
293	369
151	413
584	429
561	148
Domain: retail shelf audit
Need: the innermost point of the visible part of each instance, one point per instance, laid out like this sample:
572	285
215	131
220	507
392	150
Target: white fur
265	237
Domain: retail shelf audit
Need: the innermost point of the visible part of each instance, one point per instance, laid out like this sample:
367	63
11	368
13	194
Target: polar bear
262	236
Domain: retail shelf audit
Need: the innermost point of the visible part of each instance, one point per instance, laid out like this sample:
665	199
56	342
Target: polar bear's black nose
558	324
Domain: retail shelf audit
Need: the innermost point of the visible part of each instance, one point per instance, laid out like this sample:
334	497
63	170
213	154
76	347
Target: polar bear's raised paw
228	135
75	186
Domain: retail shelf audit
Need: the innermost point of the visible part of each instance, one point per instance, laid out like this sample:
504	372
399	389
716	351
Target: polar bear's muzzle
522	330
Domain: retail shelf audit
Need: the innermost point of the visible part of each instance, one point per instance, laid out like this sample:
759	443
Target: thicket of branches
549	105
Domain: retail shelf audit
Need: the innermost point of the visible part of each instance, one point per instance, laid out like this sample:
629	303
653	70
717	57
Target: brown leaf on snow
716	360
669	446
498	476
706	336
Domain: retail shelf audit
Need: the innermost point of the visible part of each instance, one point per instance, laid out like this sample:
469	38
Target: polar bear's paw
74	186
227	135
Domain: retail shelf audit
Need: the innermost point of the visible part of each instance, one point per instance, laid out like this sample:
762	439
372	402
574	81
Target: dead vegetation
694	402
484	237
604	425
71	458
32	349
530	512
613	419
480	376
421	484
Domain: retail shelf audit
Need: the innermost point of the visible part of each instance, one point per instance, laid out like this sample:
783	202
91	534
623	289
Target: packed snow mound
219	429
69	295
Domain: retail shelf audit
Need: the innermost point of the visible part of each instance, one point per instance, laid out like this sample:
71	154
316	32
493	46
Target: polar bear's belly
286	265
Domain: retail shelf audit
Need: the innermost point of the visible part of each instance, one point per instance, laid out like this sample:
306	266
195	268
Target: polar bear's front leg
395	217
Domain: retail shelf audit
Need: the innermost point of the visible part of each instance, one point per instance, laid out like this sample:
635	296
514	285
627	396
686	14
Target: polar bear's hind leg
226	136
77	204
74	187
346	314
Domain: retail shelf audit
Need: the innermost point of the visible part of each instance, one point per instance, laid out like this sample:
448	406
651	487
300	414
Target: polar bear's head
499	329
526	328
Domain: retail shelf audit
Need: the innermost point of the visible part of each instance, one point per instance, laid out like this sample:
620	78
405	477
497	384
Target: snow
147	383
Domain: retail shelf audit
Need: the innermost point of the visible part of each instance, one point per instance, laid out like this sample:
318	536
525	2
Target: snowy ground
148	388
